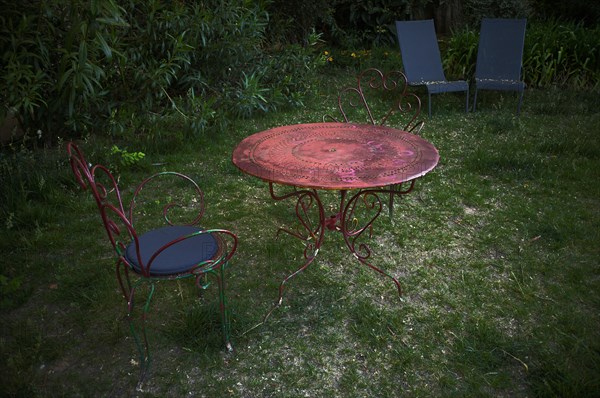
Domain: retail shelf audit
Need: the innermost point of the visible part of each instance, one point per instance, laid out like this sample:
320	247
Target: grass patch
497	251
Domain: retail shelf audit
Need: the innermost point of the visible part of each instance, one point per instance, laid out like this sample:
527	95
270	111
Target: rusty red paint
338	156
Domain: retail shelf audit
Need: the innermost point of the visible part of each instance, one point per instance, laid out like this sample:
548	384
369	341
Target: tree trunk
448	15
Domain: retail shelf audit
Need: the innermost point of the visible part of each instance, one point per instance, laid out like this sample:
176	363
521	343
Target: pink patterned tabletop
338	156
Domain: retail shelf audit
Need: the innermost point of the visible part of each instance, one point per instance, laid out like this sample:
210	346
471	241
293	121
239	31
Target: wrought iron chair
173	251
500	57
422	60
355	105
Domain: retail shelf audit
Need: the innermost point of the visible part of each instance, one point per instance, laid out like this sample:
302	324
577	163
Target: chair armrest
228	242
227	246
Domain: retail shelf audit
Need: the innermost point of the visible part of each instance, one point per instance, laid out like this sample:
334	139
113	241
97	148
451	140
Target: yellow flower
326	53
353	55
330	59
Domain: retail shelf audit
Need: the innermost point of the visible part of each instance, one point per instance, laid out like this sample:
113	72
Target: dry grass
497	251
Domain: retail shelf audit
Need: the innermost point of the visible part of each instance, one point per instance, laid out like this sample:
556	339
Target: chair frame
504	79
118	222
432	77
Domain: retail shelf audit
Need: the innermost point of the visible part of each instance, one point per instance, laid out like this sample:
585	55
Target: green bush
584	11
73	66
475	10
370	24
562	53
291	23
54	62
460	54
348	24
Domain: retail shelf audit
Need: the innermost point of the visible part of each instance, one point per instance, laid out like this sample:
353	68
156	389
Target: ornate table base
344	221
355	160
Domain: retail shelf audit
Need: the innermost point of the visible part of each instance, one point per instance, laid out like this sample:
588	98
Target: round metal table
338	156
365	160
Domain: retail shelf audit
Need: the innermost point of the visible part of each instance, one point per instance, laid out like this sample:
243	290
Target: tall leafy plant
370	23
237	67
72	66
54	60
460	54
556	53
475	10
156	51
562	53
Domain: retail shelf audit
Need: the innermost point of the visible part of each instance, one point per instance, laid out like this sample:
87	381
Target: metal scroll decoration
392	86
311	233
170	208
354	223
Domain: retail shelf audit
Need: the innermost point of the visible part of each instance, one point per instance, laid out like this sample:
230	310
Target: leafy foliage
460	54
562	53
556	53
584	11
126	158
475	10
72	66
344	23
54	59
291	23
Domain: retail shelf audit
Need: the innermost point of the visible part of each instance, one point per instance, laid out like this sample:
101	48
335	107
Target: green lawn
497	250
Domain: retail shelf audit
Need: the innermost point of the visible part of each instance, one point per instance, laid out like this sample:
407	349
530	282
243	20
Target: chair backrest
119	220
500	51
104	188
357	103
420	51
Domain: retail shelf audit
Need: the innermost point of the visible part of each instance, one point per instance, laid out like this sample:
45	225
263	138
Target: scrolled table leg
353	230
310	233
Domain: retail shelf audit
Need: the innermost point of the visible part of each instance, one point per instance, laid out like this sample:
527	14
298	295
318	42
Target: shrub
460	54
584	11
562	53
372	23
69	66
291	23
54	59
475	10
555	53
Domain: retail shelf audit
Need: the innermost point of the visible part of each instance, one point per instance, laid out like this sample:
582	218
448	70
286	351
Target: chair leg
123	269
429	103
141	343
391	203
475	100
225	322
520	102
467	101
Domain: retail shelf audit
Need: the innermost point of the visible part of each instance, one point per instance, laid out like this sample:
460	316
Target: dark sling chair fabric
422	60
500	57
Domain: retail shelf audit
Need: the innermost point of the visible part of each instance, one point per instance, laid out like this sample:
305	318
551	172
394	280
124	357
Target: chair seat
500	84
176	259
437	87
